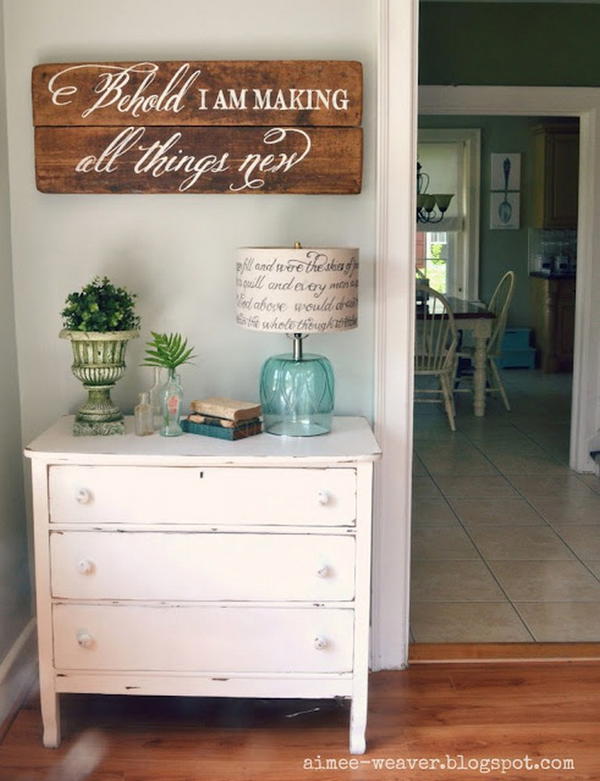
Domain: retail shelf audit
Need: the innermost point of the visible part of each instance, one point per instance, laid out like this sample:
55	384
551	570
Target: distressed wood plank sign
198	127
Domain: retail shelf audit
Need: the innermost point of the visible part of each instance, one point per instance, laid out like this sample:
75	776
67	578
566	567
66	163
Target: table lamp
297	291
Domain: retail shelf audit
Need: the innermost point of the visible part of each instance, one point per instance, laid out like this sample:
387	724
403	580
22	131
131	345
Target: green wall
500	250
516	44
535	44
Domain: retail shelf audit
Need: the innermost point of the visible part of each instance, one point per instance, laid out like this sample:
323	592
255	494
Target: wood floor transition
422	653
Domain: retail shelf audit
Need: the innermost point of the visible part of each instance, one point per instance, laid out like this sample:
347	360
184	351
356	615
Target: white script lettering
113	81
269	163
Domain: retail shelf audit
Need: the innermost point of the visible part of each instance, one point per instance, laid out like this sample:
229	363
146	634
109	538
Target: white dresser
195	566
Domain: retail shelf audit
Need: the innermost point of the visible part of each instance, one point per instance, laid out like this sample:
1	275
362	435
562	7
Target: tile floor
506	539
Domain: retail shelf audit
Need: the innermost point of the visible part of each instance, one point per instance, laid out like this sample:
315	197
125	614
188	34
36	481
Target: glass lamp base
297	395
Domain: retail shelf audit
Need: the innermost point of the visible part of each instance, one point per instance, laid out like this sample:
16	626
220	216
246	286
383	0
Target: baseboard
428	653
18	671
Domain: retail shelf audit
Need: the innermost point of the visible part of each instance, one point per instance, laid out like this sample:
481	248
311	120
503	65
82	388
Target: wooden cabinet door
553	304
555	185
565	325
563	180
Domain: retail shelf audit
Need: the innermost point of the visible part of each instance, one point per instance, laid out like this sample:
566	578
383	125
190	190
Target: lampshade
286	290
297	291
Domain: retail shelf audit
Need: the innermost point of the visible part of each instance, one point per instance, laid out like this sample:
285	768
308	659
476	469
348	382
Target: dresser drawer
201	566
197	639
217	495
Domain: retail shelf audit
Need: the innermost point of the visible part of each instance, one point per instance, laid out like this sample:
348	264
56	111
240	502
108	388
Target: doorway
514	564
553	102
395	293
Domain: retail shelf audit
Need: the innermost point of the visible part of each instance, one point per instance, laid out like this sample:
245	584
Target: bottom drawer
209	639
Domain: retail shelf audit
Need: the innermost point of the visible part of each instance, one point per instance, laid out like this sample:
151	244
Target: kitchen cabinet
195	566
553	307
555	182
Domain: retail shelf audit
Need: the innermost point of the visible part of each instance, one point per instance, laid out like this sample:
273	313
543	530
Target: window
448	251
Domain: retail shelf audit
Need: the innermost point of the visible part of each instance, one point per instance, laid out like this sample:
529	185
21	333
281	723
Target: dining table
475	317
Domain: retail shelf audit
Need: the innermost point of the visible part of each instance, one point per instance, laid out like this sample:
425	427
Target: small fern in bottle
169	351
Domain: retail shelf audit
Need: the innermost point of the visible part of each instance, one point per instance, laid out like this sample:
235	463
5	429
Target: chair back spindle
499	305
436	337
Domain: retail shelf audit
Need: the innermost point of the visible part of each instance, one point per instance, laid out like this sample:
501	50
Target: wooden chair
499	305
435	350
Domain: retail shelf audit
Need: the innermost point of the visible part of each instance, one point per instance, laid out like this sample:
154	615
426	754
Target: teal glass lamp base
297	395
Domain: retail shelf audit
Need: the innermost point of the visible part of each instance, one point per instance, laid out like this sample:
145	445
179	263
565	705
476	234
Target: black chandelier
426	202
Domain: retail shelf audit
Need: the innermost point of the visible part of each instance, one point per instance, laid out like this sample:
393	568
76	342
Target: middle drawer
201	566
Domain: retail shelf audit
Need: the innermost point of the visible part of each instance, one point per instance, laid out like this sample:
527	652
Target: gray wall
177	251
500	250
15	608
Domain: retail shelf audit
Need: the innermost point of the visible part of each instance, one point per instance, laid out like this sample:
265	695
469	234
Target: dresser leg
50	719
358	725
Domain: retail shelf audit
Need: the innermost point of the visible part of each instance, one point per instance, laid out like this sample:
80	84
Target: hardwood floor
424	653
475	710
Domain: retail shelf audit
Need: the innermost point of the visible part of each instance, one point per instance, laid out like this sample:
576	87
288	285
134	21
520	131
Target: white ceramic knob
324	572
85	566
320	642
323	497
83	496
85	639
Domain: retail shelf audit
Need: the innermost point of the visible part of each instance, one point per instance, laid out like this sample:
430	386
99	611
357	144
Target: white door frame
394	325
396	204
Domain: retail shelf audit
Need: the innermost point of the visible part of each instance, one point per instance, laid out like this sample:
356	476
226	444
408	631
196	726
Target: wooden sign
198	127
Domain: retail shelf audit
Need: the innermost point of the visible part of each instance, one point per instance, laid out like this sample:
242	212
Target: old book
230	409
210	420
219	432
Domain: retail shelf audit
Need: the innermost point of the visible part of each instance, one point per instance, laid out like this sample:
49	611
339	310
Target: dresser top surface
350	439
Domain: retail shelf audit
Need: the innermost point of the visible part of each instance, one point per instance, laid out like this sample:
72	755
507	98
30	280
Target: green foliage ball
100	306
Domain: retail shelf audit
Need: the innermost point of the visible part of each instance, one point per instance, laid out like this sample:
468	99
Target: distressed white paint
307	685
174	565
85	494
216	639
259	611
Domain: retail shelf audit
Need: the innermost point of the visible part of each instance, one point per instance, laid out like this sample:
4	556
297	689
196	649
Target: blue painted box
515	351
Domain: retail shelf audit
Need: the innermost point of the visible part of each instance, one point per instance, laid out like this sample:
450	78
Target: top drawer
216	495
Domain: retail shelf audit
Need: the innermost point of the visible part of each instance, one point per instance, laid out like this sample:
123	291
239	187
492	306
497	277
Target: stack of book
223	418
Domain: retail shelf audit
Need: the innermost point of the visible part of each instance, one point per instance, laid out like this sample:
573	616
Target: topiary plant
100	307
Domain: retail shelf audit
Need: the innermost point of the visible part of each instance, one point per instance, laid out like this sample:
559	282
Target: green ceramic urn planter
99	320
98	361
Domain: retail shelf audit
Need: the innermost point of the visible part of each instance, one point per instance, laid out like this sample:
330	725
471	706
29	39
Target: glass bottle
155	399
143	422
171	401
